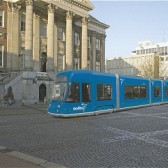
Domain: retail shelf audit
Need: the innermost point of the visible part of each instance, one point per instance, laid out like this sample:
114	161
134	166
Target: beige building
149	59
39	38
150	47
146	65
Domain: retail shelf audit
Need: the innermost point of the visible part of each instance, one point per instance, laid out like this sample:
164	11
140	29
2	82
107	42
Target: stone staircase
8	79
8	76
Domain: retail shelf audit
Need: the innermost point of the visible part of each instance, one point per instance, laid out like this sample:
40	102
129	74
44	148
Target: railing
7	77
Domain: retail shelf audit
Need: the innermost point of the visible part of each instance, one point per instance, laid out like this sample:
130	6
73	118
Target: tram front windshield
59	89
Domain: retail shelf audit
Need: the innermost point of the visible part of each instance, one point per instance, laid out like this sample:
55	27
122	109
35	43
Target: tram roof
84	72
90	73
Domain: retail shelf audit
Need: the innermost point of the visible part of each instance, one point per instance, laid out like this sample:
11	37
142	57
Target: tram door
42	92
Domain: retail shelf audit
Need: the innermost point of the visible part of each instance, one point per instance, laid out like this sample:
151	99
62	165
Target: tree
150	66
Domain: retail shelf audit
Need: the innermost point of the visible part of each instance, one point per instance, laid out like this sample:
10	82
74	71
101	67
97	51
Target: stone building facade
39	38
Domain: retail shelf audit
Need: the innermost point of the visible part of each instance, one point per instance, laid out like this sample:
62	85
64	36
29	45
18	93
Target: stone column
93	57
84	43
9	38
55	47
69	57
50	38
13	37
29	87
102	61
29	35
36	42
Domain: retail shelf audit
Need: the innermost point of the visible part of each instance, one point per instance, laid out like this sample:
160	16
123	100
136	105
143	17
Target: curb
38	161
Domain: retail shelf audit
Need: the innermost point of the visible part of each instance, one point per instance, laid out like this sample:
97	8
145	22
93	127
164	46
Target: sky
131	22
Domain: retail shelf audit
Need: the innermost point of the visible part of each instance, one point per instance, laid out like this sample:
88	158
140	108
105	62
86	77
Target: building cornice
79	8
95	22
104	26
86	5
13	1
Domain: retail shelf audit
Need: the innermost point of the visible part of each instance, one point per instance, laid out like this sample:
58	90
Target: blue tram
82	92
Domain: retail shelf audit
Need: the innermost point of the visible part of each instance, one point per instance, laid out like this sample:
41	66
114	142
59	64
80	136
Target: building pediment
79	7
94	21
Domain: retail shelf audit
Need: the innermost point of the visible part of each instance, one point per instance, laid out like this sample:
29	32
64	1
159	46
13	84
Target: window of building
88	65
142	51
1	55
60	33
73	93
85	92
104	92
98	66
1	18
156	91
22	24
89	42
134	92
98	44
161	50
161	58
165	50
43	29
60	63
166	58
76	65
77	39
147	51
152	50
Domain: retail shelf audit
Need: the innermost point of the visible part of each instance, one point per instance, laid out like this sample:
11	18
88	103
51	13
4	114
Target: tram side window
104	92
108	92
156	91
129	92
73	93
85	92
143	91
134	92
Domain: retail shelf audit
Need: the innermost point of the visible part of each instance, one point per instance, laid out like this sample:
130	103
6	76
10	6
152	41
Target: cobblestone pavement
135	138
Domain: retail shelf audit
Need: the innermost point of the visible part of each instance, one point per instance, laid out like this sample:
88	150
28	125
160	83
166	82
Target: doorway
42	92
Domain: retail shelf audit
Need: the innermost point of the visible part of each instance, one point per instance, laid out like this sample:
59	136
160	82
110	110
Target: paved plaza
134	138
